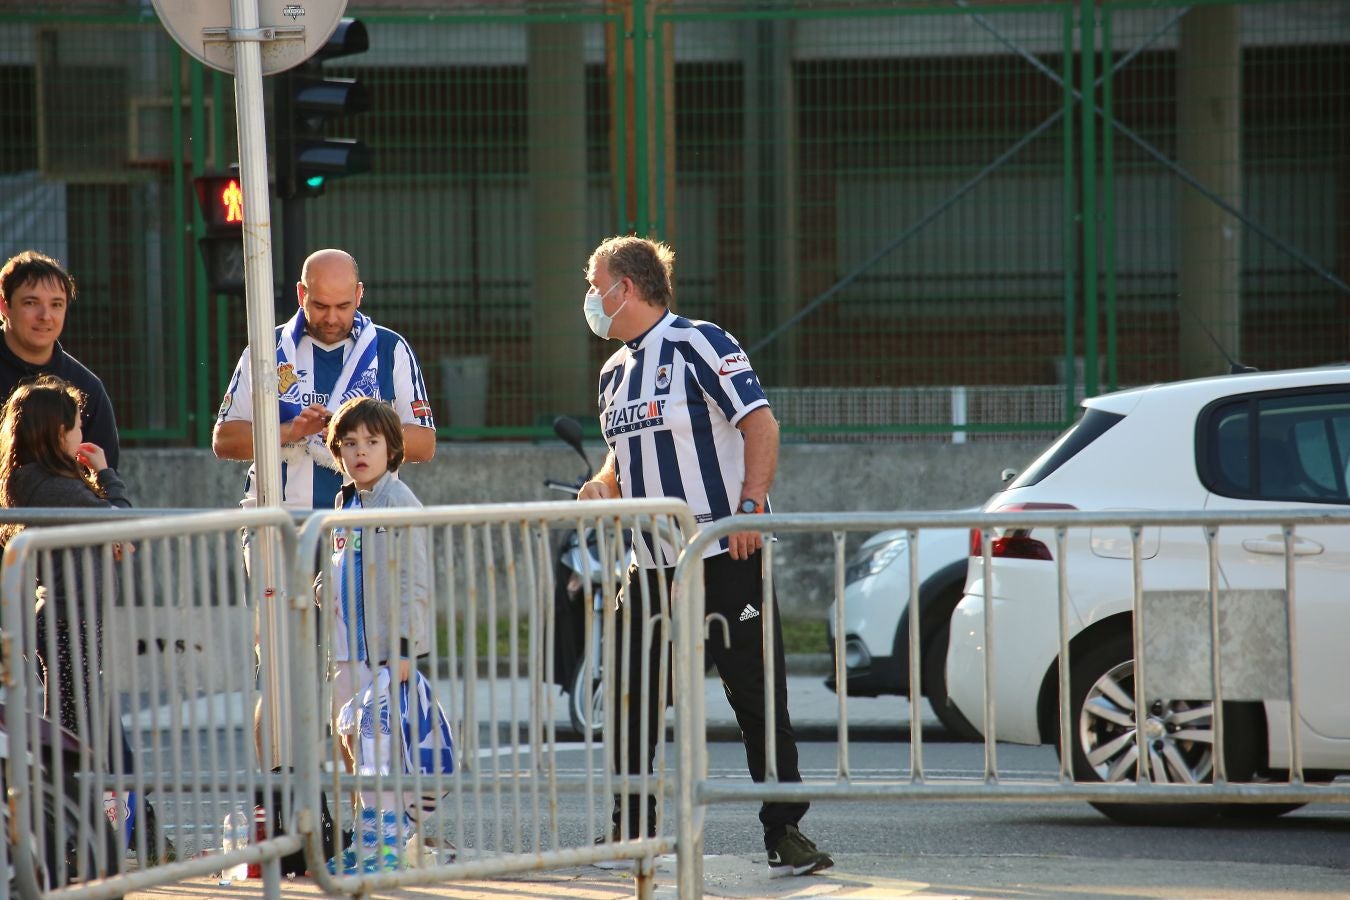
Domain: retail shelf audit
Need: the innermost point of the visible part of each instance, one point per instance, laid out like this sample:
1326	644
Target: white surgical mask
594	308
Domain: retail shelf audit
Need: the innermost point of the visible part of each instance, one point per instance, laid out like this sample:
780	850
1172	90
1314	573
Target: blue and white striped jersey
305	484
669	404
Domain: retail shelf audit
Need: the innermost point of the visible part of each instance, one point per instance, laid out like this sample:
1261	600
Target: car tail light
1015	543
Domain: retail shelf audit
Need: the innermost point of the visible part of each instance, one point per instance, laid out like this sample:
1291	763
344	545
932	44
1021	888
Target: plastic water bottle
234	836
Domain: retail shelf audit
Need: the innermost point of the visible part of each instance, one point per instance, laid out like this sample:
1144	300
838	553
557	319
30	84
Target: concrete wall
811	478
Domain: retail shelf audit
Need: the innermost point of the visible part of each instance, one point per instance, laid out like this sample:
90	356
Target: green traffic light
315	182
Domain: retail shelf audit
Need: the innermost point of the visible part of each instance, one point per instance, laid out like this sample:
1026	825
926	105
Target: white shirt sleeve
410	390
237	405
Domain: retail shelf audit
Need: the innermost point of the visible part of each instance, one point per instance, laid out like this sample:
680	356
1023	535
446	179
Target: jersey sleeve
410	390
724	373
237	405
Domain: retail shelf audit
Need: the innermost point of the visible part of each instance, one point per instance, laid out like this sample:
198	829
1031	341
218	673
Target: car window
1318	455
1234	457
1094	424
1342	432
1279	446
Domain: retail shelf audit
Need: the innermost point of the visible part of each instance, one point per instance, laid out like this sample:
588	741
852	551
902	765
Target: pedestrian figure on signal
36	293
684	416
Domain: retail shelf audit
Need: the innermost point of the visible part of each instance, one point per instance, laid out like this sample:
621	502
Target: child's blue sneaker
379	847
382	859
345	864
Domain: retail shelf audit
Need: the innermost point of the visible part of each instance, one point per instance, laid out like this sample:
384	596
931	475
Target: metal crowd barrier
174	670
157	621
522	797
1223	669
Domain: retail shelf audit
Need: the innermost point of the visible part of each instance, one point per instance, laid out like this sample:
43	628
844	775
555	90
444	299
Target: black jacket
98	422
33	486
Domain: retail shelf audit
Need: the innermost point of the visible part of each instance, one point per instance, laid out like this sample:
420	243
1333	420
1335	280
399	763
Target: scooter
578	674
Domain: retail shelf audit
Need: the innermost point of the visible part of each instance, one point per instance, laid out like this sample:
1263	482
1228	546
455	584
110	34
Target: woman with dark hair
45	462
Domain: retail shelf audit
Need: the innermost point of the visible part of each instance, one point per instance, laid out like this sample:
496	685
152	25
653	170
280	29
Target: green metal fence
923	219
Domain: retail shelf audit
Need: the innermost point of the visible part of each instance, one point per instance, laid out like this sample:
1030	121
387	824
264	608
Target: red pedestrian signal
221	200
232	198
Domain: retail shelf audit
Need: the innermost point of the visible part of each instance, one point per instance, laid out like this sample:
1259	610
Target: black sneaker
621	865
615	837
794	854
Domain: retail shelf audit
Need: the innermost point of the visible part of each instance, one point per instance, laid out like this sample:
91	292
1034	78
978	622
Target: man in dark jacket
35	293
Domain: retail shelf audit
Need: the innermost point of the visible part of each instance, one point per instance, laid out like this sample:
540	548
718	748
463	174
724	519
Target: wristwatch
750	506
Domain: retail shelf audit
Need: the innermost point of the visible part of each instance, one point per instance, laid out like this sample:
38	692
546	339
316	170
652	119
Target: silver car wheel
1179	733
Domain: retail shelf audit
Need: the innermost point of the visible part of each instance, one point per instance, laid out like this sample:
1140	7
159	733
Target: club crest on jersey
634	416
662	377
734	362
286	378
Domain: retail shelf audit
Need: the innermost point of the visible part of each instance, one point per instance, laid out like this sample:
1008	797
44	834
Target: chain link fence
877	201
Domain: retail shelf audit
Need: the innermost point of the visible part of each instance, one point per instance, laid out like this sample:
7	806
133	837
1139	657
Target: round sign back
292	30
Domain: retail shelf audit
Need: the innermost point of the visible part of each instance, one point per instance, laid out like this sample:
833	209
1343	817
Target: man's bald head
329	291
327	263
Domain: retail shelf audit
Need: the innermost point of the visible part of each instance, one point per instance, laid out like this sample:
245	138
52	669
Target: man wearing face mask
684	416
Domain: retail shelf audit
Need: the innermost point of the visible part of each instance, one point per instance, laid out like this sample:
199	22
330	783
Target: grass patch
805	635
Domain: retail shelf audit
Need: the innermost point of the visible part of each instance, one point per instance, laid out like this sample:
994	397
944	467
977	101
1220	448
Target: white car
1256	441
876	618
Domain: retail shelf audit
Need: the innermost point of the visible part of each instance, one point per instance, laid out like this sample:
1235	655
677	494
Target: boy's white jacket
426	741
382	556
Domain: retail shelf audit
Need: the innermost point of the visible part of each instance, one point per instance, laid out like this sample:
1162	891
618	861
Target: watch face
749	506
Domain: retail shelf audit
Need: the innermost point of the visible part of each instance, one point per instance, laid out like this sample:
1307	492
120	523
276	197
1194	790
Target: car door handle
1274	545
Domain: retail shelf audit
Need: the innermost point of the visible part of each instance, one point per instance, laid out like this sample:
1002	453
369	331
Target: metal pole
248	98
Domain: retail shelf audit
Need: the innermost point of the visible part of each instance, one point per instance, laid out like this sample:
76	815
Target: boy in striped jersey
684	416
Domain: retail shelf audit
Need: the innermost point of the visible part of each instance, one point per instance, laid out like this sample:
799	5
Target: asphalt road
894	848
940	850
1313	836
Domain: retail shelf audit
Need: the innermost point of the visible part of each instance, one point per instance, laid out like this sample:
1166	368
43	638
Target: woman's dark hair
32	429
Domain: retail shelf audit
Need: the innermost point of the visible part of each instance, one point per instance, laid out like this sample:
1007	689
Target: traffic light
306	100
221	198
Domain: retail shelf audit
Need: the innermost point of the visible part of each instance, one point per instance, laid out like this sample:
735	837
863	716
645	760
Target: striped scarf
295	379
426	742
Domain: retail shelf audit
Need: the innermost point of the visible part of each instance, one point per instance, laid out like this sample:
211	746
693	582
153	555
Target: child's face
71	439
365	456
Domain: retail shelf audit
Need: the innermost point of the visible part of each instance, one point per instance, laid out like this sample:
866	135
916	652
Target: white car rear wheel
1180	736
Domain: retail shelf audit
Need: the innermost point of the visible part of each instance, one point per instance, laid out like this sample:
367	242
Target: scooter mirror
569	430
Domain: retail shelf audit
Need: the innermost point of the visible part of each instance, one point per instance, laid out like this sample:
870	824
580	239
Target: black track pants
734	590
